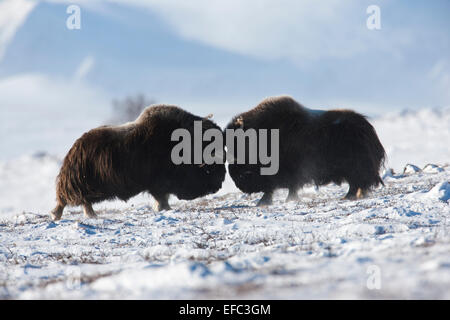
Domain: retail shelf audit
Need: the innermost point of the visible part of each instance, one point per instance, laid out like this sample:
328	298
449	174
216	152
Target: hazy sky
221	57
320	52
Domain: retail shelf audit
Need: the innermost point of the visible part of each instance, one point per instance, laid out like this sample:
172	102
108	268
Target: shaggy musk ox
314	147
121	161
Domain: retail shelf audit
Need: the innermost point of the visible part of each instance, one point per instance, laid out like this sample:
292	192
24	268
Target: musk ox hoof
88	211
292	196
162	203
161	207
359	194
57	213
266	200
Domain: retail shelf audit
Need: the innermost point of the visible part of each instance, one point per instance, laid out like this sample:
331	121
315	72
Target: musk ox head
196	174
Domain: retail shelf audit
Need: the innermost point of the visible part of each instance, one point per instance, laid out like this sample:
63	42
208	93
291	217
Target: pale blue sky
139	48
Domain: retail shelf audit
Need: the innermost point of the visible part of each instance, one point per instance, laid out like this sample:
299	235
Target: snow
441	192
394	244
410	168
225	247
419	137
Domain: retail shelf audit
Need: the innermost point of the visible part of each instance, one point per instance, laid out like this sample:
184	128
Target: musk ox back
112	162
315	146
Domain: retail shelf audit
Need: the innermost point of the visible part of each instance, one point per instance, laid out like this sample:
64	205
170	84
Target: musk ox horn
239	122
119	162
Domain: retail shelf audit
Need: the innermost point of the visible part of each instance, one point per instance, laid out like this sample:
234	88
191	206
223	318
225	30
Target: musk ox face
119	162
202	179
315	146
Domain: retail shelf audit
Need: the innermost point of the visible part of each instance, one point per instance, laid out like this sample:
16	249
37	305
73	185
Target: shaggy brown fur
315	147
112	162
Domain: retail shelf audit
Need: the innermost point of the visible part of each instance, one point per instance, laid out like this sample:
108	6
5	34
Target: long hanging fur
316	146
112	162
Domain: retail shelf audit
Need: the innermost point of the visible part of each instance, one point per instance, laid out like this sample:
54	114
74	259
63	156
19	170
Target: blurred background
219	57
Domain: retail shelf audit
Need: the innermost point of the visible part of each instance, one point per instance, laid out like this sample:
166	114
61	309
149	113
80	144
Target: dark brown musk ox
122	161
315	146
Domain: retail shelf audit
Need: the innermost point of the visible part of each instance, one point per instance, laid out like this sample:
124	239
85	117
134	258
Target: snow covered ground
393	244
396	240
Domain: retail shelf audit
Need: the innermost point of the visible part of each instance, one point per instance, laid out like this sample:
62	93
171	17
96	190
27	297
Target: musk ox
112	162
315	146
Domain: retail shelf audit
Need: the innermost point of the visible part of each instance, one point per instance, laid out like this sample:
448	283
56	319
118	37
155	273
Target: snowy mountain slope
419	137
396	240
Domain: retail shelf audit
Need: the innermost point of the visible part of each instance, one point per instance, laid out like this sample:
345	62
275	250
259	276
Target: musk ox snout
119	162
315	146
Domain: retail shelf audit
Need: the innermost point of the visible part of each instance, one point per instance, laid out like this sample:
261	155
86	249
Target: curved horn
240	122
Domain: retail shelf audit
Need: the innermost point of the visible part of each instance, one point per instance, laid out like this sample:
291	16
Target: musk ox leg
266	199
57	212
88	211
355	193
162	203
292	196
361	193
